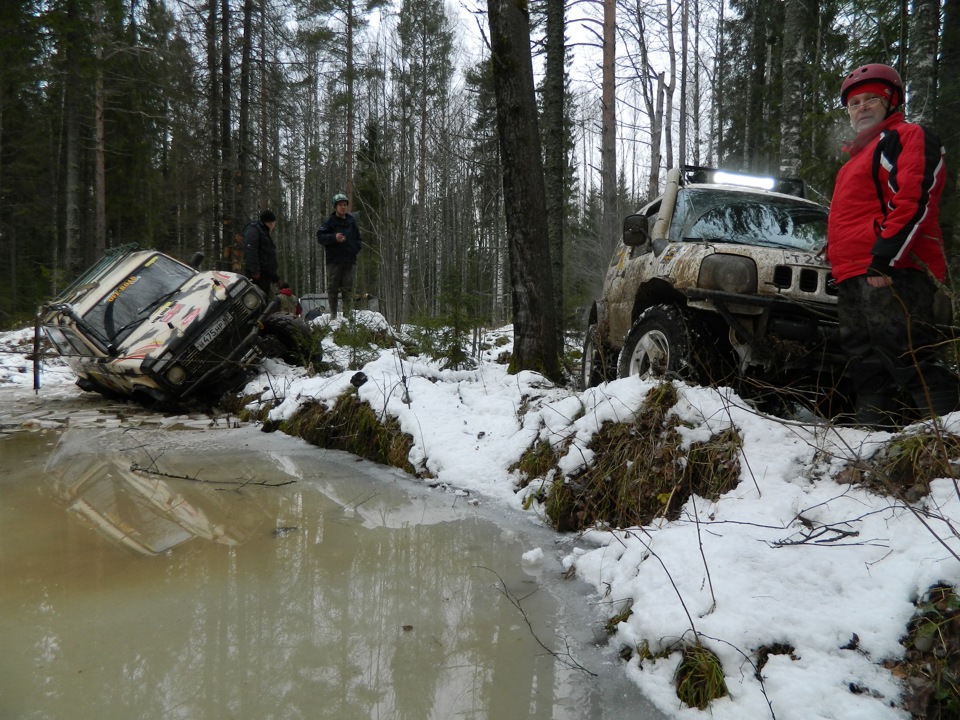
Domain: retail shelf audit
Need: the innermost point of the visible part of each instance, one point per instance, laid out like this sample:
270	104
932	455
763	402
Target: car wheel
664	342
289	338
599	361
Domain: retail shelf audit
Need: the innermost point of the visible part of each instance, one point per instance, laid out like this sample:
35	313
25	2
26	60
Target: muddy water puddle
182	572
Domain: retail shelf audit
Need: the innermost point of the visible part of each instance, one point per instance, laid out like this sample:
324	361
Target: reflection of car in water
141	324
147	513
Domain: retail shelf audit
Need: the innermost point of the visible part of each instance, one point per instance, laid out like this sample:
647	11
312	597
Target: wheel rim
588	353
651	355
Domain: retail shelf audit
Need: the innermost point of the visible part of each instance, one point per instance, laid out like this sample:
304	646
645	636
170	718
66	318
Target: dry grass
930	668
699	678
536	462
353	426
910	462
642	471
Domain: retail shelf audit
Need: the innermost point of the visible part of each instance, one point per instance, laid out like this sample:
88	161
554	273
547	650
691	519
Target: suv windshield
749	219
121	309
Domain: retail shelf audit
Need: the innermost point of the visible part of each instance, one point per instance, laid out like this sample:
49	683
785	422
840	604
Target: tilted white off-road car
143	325
717	279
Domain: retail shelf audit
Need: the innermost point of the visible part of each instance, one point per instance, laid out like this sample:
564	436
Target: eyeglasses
868	103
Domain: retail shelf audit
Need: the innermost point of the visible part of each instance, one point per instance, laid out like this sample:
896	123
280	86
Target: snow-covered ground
741	573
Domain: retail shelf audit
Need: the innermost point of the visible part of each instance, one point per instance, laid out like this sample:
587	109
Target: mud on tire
669	341
290	339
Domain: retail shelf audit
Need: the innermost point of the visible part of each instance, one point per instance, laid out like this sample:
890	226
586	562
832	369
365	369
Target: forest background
171	123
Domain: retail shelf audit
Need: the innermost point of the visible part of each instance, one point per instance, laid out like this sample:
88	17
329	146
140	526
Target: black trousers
339	280
890	339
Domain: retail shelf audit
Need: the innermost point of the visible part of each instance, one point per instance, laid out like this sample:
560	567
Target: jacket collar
865	137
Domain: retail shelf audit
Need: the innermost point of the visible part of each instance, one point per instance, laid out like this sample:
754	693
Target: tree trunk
669	86
656	139
948	107
555	148
240	185
684	72
100	169
792	103
922	61
229	209
608	129
73	253
220	251
535	338
696	83
348	151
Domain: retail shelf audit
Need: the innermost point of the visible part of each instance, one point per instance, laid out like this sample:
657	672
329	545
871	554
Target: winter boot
941	401
876	411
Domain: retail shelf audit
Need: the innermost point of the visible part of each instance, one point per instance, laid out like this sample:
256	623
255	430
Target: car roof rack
691	174
110	257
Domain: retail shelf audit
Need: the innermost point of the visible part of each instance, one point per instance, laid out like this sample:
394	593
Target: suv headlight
729	273
176	375
251	300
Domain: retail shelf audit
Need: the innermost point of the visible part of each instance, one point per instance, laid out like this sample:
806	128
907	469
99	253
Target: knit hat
267	216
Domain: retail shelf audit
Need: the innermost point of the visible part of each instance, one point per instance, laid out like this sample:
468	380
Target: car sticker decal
191	316
123	286
171	313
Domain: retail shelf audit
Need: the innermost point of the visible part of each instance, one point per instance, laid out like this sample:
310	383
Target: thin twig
567	658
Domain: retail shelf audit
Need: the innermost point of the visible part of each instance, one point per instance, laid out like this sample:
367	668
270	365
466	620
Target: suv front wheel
665	341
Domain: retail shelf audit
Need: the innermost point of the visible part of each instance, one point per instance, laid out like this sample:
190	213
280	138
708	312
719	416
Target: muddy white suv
717	277
143	325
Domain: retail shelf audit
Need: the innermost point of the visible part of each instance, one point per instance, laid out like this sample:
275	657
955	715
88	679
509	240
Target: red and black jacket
885	208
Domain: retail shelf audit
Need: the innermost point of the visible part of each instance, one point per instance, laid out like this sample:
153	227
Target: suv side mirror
196	260
636	230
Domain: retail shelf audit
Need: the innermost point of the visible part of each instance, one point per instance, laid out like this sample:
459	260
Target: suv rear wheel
599	361
664	341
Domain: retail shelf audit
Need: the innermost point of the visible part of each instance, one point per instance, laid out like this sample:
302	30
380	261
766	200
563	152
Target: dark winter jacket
340	253
259	252
885	208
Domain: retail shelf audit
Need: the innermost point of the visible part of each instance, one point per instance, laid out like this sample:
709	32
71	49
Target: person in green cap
341	242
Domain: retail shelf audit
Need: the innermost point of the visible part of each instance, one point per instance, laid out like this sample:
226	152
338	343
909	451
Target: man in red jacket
886	254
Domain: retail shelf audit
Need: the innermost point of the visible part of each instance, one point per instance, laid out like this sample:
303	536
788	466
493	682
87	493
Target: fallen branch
136	467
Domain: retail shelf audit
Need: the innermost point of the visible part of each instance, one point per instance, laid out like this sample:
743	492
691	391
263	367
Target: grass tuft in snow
642	470
621	616
536	462
764	653
931	665
910	462
353	426
699	677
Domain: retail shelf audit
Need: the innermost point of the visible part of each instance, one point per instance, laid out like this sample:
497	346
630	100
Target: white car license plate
210	334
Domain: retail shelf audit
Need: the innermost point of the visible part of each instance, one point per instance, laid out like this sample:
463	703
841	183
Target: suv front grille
803	281
782	277
809	280
197	362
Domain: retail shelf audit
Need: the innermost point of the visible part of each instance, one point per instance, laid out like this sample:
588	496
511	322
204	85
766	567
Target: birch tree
922	73
792	105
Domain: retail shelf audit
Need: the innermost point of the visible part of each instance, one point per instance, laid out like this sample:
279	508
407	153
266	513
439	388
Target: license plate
212	332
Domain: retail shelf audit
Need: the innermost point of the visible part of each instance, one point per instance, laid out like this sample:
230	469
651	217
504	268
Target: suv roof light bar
787	186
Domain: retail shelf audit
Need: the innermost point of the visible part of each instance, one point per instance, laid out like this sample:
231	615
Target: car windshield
750	219
121	309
